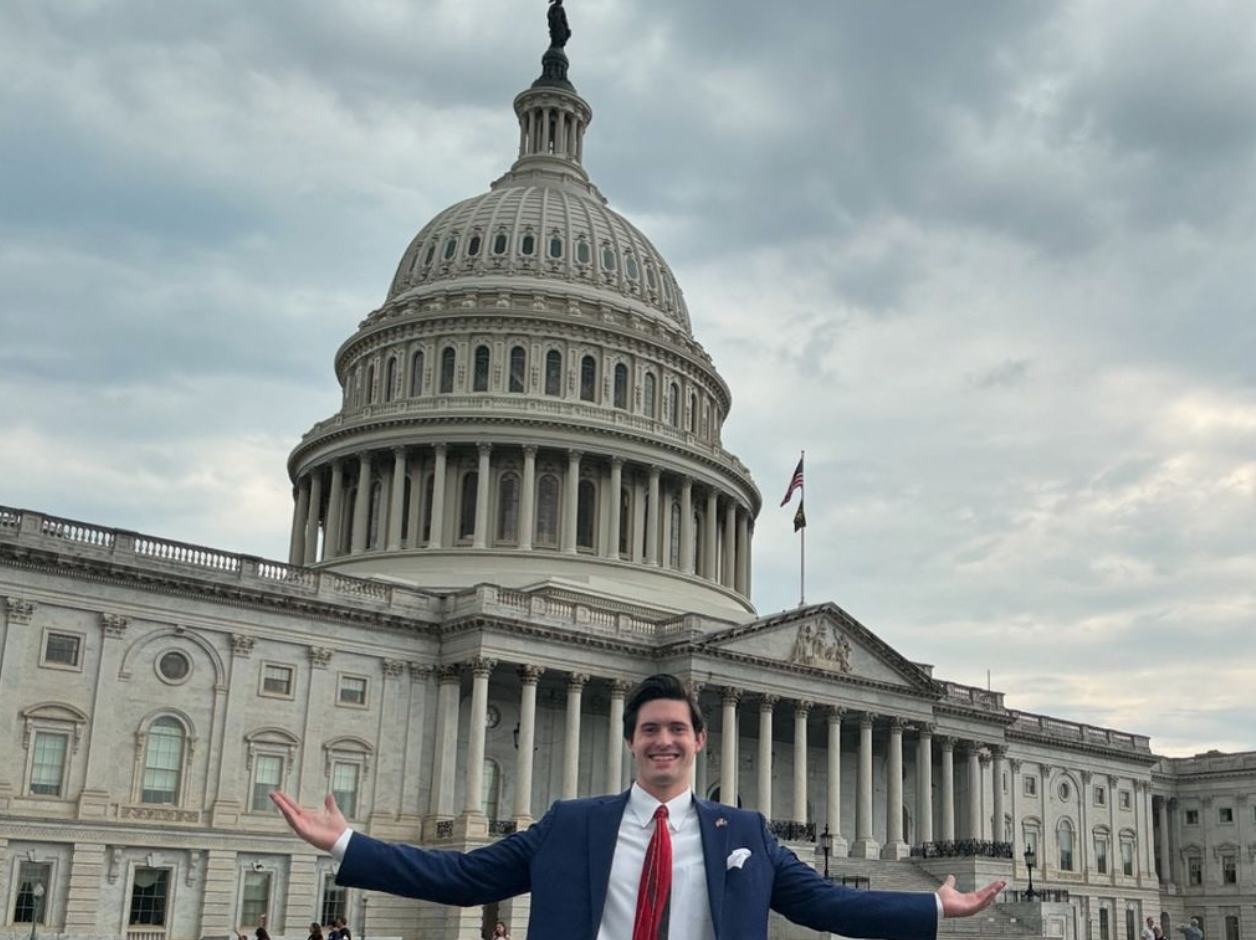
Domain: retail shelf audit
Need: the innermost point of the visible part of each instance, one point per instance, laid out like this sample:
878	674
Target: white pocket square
737	858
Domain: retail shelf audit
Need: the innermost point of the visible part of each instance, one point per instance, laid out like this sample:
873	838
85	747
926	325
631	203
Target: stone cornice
1015	735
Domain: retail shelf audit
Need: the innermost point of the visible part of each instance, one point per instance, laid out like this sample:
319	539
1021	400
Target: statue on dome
558	29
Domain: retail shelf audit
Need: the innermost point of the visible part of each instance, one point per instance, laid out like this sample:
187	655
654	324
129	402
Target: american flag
795	482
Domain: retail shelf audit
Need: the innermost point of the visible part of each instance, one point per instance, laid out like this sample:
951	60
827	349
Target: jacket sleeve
491	873
806	898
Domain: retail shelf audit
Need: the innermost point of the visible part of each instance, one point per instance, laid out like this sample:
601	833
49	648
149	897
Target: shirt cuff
936	898
342	844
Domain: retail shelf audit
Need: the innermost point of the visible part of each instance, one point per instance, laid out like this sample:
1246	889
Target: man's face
664	745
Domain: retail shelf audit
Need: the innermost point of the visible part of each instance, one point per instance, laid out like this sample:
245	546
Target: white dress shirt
689	916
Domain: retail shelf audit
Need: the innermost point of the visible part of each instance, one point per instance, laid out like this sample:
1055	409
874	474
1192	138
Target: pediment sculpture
822	645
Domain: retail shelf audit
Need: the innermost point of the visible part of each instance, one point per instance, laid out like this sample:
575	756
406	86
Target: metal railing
502	827
962	848
791	831
1040	895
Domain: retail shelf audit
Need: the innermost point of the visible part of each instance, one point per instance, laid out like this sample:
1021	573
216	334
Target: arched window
608	258
370	384
647	394
547	493
1064	839
390	378
673	405
416	374
451	246
621	386
693	412
429	486
586	511
480	379
448	362
630	265
588	378
553	372
673	536
374	529
699	541
163	761
650	277
555	247
473	246
466	518
625	520
508	508
500	243
527	244
582	251
518	368
431	253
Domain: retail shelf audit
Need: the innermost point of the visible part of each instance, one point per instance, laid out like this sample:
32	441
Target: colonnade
523	497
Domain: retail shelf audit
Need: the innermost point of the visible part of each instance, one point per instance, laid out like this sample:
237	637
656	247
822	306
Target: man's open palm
956	904
320	830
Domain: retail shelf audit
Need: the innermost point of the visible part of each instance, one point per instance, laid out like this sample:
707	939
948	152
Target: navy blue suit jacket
564	859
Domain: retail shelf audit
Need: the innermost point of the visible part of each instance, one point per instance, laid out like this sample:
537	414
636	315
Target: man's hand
955	904
320	830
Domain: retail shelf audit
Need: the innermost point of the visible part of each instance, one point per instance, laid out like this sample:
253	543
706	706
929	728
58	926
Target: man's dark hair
656	687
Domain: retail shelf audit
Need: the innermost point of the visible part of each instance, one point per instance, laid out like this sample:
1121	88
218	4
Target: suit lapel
714	827
604	821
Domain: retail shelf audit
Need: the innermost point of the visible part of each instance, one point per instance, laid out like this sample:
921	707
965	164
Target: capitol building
522	507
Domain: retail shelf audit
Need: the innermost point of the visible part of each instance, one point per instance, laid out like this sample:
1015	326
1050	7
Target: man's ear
701	741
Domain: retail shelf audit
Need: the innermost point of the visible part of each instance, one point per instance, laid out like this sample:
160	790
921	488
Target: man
655	862
1149	930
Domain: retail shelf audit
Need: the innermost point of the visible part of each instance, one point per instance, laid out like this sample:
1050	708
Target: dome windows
500	243
556	246
527	245
588	379
390	378
431	253
473	246
448	363
648	394
630	265
608	258
451	247
583	253
518	369
651	278
547	494
621	386
673	405
553	372
416	374
480	376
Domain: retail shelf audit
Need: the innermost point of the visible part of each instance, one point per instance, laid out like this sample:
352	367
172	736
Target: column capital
617	462
834	714
802	708
1141	785
114	625
620	687
947	741
655	471
398	450
686	482
448	674
867	719
695	687
242	645
574	455
393	667
730	695
925	728
529	450
481	666
1086	777
418	671
530	674
440	449
983	757
1014	764
320	656
969	748
768	702
998	751
896	724
484	448
577	681
20	611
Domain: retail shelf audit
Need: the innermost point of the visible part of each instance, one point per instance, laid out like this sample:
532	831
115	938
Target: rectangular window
1127	799
62	649
1229	870
1195	871
1101	856
31	905
1130	929
1127	858
1225	814
1231	927
149	893
267	776
277	680
48	764
1031	786
1104	929
255	901
1192	817
333	905
344	787
352	690
1101	796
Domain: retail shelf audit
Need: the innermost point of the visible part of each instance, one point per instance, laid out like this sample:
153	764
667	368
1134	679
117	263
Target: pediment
823	639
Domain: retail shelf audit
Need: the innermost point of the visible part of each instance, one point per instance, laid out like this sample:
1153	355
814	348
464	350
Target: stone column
571	743
997	754
865	845
300	513
615	737
1141	855
481	669
743	554
973	830
446	752
924	784
529	676
527	499
312	517
612	526
712	538
895	846
948	789
571	490
636	543
730	545
766	704
384	511
833	808
686	525
414	524
698	773
362	505
480	535
397	500
728	747
801	709
1166	864
652	519
335	512
436	539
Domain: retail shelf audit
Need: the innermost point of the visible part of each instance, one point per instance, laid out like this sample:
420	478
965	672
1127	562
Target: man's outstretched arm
320	830
957	904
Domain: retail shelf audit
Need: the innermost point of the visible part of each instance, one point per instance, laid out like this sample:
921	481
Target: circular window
1065	791
174	666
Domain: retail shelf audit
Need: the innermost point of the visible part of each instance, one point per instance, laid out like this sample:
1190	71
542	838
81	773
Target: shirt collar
642	807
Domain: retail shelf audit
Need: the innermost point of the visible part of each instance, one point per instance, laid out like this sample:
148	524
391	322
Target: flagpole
802	544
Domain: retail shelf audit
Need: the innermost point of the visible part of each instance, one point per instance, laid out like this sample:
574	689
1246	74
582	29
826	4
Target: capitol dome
529	406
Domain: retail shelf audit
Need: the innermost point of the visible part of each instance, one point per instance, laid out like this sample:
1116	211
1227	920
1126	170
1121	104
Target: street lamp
1030	858
826	846
38	892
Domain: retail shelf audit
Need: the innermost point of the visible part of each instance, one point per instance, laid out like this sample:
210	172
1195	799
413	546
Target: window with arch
416	374
553	372
1064	840
448	363
588	378
527	245
347	761
269	756
621	386
431	253
370	384
586	514
390	378
673	536
51	735
673	405
500	243
451	247
699	540
508	508
429	485
163	761
650	277
547	496
518	369
647	394
473	246
555	246
692	417
375	528
1101	851
630	266
583	253
625	522
479	381
608	258
466	514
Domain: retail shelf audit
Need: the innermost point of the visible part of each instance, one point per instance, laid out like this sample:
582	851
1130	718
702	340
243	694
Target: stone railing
502	827
588	617
1075	732
972	696
860	882
133	550
1043	896
789	831
962	848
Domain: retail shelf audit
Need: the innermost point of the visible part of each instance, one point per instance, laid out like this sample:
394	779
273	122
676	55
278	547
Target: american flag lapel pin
721	822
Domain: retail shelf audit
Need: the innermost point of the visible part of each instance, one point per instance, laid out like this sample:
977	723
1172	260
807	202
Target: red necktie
656	883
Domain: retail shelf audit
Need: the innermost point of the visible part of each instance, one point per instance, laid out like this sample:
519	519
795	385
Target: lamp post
38	892
826	846
1030	858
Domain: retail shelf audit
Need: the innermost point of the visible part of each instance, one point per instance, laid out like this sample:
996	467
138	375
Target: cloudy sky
992	264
